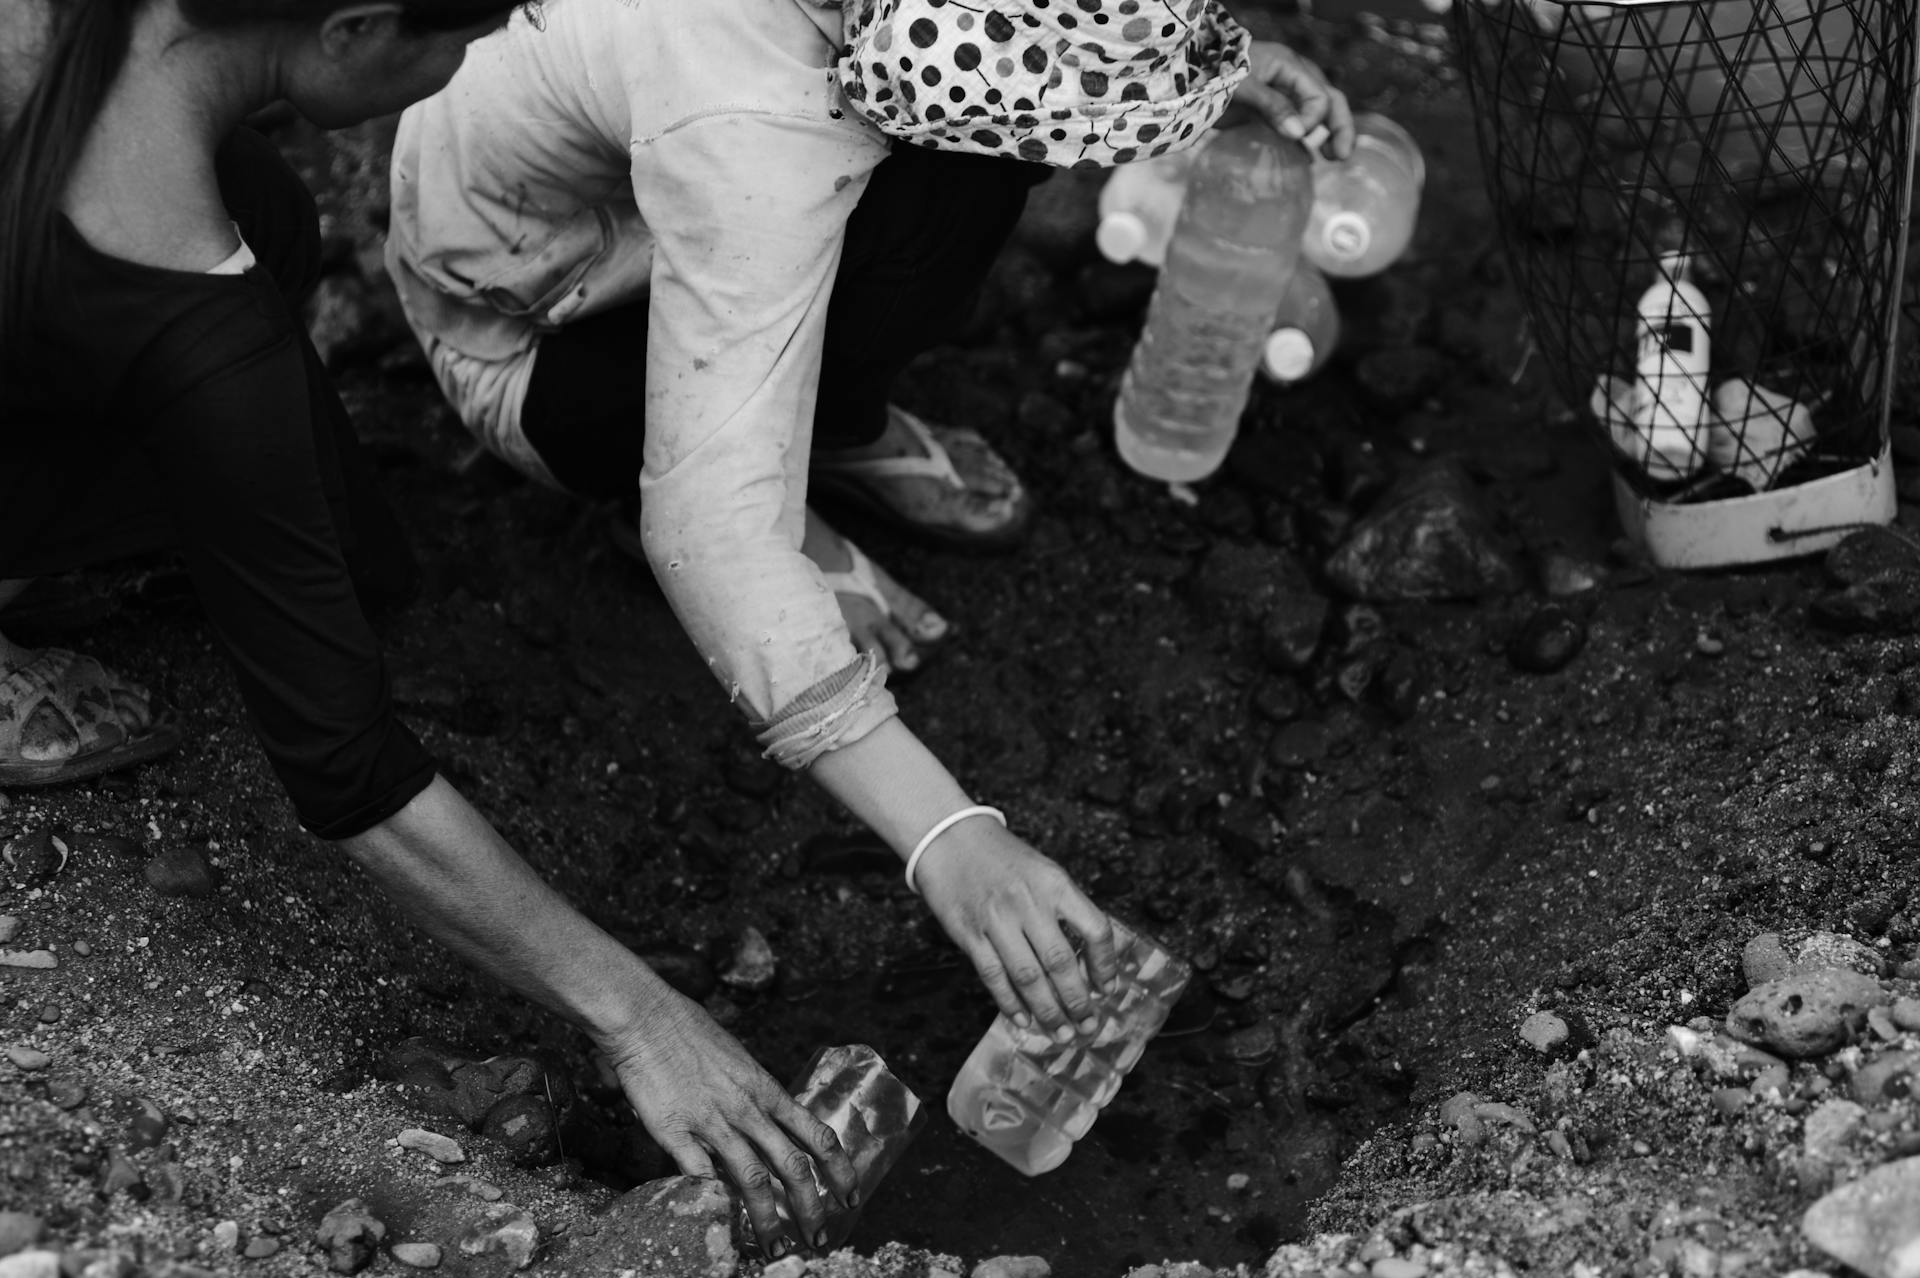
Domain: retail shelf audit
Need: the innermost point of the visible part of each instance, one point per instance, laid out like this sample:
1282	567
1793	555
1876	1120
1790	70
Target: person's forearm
453	874
891	781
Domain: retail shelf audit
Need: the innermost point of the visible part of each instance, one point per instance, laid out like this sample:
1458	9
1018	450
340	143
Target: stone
506	1230
1764	959
481	1085
1548	640
442	1149
42	959
122	1175
1905	1014
525	1125
1397	1267
349	1234
682	1225
181	870
1012	1267
1892	1077
1884	605
259	1248
752	968
19	1230
1873	1223
1870	553
1808	1013
1544	1032
417	1255
30	1060
786	1267
34	858
30	1264
226	1236
1829	1127
9	928
1830	949
1294	622
1430	536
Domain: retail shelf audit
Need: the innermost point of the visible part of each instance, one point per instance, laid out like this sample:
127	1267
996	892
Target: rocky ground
1562	921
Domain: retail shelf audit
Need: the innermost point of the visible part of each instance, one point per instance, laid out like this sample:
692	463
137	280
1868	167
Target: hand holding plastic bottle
1295	98
1003	903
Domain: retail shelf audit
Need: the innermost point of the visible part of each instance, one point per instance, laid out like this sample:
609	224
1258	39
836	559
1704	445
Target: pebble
1543	1032
484	1190
121	1173
9	928
350	1234
1873	1223
82	949
1012	1267
506	1229
1906	1014
786	1267
31	1264
1548	640
1829	1127
1889	1078
753	967
1397	1267
226	1235
67	1092
1238	1182
1808	1013
417	1255
1731	1100
49	1014
18	1231
180	871
440	1148
260	1248
42	959
30	1059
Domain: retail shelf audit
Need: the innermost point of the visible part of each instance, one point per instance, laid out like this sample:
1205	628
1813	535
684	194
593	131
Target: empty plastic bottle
1233	249
1305	330
874	1115
1028	1098
1365	206
1139	203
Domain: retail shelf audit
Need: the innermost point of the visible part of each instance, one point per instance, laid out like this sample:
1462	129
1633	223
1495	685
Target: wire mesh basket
1705	204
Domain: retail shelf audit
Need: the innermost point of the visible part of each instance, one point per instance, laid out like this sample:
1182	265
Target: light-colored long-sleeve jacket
694	153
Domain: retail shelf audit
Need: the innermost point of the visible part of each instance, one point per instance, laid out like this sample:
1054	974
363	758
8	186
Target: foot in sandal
944	483
64	717
881	614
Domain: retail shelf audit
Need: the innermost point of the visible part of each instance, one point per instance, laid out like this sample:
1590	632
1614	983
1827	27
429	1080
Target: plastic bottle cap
1288	354
1347	235
1121	236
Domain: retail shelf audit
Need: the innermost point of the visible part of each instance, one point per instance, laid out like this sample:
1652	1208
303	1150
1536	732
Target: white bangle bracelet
940	827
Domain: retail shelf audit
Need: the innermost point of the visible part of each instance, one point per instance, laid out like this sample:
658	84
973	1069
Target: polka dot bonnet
1073	83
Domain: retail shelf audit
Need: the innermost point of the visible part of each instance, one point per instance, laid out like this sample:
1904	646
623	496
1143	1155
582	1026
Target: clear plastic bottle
1233	249
874	1114
1138	205
1305	330
1365	206
1028	1098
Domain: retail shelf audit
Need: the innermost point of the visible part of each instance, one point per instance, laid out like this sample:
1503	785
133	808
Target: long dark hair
77	65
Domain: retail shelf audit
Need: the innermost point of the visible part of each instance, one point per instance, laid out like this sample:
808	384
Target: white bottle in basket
1670	395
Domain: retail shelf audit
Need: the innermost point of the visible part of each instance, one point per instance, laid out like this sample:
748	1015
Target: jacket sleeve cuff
836	711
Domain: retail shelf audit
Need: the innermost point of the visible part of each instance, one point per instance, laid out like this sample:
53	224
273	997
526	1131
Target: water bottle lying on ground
1028	1098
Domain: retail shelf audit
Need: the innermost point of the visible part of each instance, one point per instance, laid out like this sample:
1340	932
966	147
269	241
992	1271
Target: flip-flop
857	578
869	483
81	692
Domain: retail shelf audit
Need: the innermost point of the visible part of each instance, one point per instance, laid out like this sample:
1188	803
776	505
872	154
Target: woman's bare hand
1293	96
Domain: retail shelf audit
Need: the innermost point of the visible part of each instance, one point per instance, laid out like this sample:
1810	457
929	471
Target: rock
441	1149
1892	1077
1012	1267
752	968
1872	1224
260	1248
349	1234
1396	1267
1244	829
30	1060
481	1085
1544	1032
1764	959
42	959
681	1225
1870	553
1562	575
18	1231
1548	640
122	1175
33	859
525	1125
1430	536
1829	1127
1457	1112
1808	1013
180	871
147	1124
1905	1013
9	928
786	1267
1884	605
417	1255
30	1264
504	1229
1294	622
226	1236
1830	949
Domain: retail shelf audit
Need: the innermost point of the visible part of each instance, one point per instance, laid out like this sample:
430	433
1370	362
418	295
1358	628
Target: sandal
984	508
61	719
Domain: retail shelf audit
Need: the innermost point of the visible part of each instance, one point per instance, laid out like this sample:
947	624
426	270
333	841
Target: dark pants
925	233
